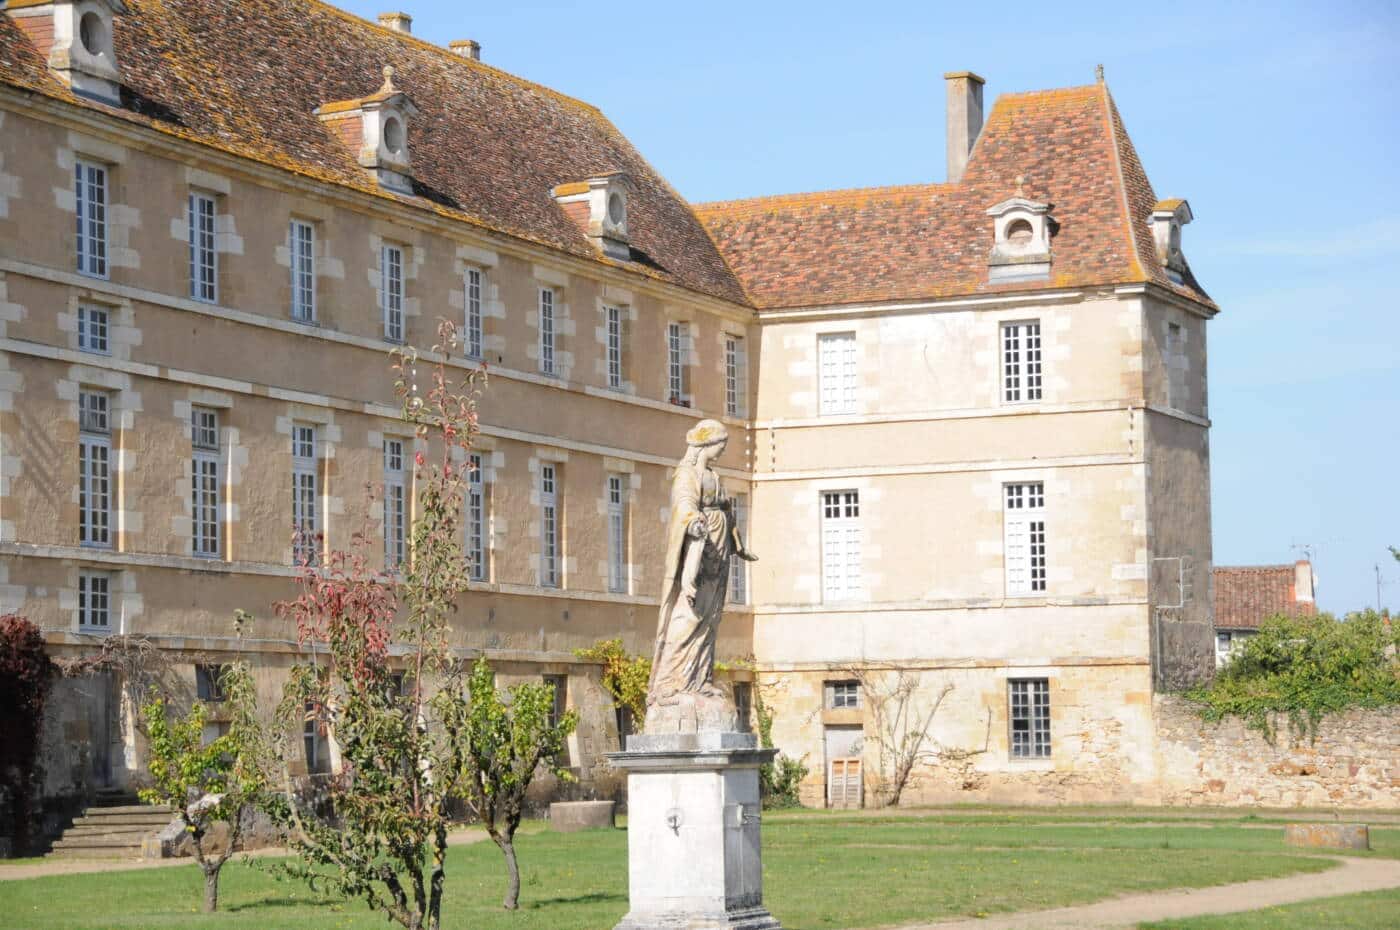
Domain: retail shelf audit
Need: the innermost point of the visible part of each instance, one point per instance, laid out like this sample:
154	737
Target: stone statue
683	696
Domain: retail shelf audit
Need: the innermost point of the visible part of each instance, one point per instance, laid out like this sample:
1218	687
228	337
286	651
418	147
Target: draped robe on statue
682	693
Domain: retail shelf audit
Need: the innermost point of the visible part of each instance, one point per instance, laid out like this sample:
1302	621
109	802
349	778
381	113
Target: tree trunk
512	901
211	890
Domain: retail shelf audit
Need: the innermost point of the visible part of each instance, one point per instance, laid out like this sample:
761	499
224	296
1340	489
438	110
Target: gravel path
1352	875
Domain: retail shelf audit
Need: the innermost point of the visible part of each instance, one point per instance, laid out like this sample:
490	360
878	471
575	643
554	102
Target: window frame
202	221
478	547
88	582
206	484
548	337
1023	502
1022	354
391	292
206	682
306	510
842	534
837	376
474	295
303	270
736	376
678	338
95	468
615	491
842	694
738	592
612	336
395	504
1036	742
88	325
92	190
550	575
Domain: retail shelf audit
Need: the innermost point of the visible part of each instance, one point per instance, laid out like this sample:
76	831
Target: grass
925	868
1373	910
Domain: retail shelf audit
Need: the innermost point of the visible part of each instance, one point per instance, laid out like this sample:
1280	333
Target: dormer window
76	37
376	129
1021	243
599	207
1168	216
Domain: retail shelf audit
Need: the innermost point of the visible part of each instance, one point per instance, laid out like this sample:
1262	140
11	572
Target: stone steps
114	827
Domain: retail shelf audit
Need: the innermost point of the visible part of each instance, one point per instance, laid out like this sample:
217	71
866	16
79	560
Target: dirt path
1351	875
84	866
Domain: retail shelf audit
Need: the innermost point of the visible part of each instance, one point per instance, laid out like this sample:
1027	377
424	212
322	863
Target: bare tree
902	726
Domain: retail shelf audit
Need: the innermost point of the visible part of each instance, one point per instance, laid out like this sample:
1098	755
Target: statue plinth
693	818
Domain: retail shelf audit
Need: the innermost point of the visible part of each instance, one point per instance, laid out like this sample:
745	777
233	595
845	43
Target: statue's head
707	434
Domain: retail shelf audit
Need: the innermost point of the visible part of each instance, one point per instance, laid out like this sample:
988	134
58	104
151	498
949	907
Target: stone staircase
114	827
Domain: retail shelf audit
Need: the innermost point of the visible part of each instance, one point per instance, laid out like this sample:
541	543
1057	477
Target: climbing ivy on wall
1305	668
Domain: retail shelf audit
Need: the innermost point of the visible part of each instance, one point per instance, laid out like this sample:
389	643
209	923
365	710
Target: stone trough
1328	835
573	816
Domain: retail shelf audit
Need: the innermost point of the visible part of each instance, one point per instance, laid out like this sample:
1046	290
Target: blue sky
1280	122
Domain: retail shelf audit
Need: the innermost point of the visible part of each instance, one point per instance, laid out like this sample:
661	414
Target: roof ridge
453	56
817	197
1256	568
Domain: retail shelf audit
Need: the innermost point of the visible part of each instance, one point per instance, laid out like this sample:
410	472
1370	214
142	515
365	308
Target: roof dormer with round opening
1021	230
376	129
1168	216
76	37
599	207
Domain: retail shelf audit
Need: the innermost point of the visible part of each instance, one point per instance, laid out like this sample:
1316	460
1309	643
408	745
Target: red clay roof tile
1247	595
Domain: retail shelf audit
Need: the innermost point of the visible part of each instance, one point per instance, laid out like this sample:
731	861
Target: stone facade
678	313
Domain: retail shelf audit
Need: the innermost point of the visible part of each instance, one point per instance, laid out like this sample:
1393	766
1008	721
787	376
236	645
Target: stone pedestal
693	832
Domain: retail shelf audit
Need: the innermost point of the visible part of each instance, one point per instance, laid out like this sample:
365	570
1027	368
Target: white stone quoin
693	844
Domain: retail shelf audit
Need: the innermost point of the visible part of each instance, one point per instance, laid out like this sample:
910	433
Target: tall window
476	517
836	375
736	376
1030	718
1020	362
841	545
305	523
204	482
391	291
617	534
1024	526
91	190
303	239
559	686
549	526
743	705
311	735
547	330
95	602
94	469
394	503
613	327
738	568
92	329
473	283
204	259
678	363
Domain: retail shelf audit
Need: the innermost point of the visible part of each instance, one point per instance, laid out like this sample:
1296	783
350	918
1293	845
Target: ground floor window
1030	718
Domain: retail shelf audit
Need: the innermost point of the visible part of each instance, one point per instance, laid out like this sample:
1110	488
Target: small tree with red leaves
26	675
395	731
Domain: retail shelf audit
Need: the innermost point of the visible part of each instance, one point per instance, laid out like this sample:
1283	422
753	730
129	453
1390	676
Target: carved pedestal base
693	823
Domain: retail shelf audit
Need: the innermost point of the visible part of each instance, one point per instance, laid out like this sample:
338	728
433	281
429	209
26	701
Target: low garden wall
1352	761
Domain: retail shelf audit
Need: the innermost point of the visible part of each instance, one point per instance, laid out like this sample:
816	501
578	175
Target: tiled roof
1247	595
931	241
246	76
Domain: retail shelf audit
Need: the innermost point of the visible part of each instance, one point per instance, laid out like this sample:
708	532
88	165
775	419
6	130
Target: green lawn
1374	910
821	871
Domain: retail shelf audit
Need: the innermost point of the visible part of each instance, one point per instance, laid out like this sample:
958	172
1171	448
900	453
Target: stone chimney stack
467	48
964	119
399	22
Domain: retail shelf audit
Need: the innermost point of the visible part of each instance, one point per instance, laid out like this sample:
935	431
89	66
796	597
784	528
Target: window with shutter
836	374
1024	543
841	546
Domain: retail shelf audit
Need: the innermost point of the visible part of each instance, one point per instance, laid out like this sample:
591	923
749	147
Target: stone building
969	419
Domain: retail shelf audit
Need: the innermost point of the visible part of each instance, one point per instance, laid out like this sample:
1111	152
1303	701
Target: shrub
1306	667
26	675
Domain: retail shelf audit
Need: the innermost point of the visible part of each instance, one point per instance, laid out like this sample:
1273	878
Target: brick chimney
467	48
398	22
964	119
